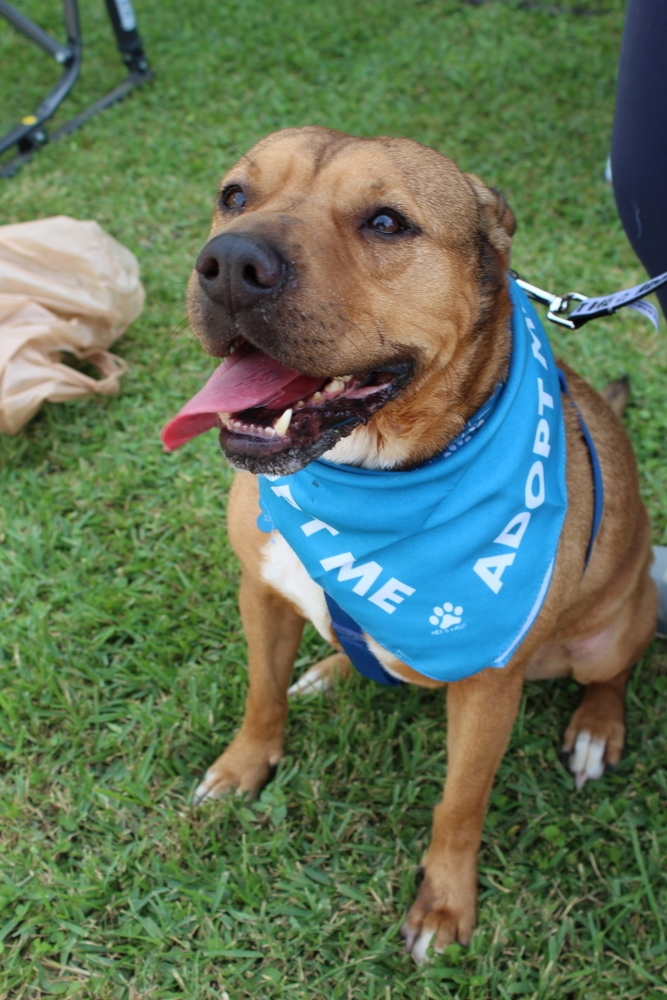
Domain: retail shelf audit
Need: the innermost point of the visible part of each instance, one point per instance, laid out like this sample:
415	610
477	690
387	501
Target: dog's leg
603	662
273	630
480	715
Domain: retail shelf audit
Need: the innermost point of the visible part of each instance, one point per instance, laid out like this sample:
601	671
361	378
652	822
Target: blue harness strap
598	485
349	632
351	639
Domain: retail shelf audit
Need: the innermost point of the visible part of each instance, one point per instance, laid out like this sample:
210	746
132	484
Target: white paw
587	758
446	616
417	944
205	790
313	681
420	948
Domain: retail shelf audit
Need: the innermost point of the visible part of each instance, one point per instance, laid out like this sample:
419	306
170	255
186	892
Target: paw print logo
446	616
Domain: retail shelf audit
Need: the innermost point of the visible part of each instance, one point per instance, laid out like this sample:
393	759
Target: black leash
561	306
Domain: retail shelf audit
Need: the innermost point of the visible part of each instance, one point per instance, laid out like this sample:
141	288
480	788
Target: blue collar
446	566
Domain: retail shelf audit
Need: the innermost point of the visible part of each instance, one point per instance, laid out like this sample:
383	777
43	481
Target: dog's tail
616	394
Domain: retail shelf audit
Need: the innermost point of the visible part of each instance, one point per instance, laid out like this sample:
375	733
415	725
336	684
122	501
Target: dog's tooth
345	378
316	397
282	423
300	404
269	431
226	419
335	385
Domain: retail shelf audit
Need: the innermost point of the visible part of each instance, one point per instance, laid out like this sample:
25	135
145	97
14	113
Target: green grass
122	663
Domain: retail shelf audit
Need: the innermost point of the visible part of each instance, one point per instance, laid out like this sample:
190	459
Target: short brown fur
307	188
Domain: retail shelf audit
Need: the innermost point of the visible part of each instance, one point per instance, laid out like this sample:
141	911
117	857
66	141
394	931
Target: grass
122	658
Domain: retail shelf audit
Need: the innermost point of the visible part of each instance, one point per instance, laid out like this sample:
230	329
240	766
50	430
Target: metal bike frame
31	133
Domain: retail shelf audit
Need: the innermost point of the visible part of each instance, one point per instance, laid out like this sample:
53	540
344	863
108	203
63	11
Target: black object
607	305
639	144
31	133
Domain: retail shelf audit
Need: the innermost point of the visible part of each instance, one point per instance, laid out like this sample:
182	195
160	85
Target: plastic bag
65	285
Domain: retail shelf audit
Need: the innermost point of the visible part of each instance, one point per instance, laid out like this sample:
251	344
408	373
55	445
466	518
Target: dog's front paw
440	917
244	767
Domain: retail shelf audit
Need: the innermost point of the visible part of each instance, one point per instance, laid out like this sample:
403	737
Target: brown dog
367	278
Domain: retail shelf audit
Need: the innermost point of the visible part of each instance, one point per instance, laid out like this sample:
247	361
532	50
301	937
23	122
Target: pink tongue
240	382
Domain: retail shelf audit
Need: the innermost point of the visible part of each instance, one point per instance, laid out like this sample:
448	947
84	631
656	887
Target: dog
358	291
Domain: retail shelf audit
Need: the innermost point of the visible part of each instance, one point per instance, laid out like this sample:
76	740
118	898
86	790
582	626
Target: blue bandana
447	565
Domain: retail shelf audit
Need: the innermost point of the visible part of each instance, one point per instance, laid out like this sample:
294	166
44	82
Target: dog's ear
497	218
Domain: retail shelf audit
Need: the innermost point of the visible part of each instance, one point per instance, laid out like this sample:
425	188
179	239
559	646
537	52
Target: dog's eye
386	221
233	197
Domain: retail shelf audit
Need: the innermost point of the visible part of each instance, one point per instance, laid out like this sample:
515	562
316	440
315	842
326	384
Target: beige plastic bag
65	285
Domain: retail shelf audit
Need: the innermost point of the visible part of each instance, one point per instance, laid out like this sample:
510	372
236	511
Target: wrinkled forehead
346	171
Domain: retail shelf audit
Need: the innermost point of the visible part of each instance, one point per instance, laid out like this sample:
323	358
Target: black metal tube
128	39
72	25
30	134
26	134
34	32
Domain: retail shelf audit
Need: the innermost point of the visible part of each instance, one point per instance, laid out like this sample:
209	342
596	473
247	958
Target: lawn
121	654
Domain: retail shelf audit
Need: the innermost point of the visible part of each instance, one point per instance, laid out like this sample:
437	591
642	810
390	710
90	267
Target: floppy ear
497	218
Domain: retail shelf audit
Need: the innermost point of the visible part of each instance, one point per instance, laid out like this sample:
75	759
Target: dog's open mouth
266	410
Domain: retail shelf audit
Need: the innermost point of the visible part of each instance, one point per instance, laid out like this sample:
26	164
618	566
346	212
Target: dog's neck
437	405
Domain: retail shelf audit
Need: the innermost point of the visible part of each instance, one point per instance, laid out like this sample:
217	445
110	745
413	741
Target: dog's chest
282	569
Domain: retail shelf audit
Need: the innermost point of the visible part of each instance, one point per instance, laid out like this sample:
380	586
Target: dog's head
355	287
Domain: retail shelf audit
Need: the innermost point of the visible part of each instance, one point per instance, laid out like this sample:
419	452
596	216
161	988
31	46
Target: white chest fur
282	569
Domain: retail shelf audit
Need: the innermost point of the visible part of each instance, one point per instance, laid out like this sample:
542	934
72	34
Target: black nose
237	270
